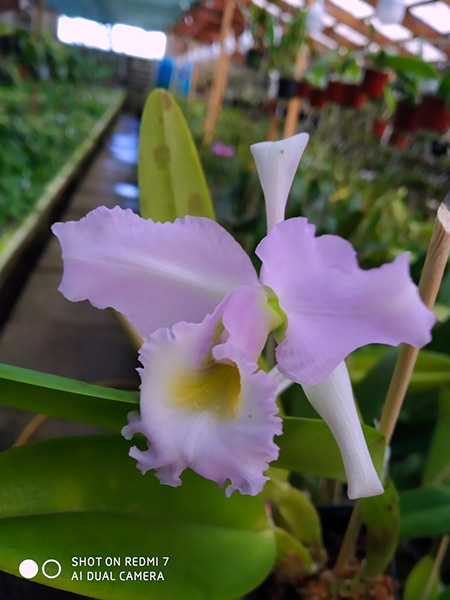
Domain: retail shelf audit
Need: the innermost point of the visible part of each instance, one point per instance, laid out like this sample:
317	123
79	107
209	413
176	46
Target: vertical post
272	133
295	104
220	79
194	82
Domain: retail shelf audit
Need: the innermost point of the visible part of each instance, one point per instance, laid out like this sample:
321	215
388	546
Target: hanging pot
303	89
391	12
374	82
434	114
353	95
288	88
255	57
379	127
335	91
318	97
407	116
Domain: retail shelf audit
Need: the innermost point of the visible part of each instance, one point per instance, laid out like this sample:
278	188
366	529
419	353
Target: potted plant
434	110
353	95
388	104
283	56
316	76
411	73
262	27
375	77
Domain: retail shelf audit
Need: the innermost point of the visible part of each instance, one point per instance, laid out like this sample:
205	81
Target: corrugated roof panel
436	15
395	33
329	21
350	34
325	40
429	52
357	8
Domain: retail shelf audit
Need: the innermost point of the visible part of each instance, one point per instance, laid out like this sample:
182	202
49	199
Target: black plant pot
288	88
255	58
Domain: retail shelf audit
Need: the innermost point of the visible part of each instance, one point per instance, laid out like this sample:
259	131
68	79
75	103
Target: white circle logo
28	568
49	561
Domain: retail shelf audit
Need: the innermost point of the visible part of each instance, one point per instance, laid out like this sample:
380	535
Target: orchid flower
193	294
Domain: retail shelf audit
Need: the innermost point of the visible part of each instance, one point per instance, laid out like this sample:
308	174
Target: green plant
284	51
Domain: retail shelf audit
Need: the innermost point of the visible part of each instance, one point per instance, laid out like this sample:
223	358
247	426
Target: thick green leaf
105	407
437	466
308	446
293	559
171	180
425	512
381	516
418	579
65	398
295	512
82	497
409	65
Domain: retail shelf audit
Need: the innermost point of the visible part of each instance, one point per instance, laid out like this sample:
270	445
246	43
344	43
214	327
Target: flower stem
433	271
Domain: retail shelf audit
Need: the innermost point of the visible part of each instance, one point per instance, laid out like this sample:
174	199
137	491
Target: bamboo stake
295	104
220	79
29	430
433	271
442	550
194	83
430	281
272	132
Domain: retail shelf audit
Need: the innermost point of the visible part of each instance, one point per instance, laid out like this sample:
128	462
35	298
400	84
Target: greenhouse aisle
48	333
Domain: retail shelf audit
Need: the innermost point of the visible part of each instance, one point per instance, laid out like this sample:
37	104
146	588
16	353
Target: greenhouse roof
148	14
349	23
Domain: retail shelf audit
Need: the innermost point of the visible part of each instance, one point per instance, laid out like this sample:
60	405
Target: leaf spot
195	204
161	156
167	102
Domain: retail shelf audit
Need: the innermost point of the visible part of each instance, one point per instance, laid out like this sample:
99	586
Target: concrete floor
48	333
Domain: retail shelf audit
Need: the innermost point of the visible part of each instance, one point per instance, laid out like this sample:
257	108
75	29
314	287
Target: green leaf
409	65
293	559
308	446
295	513
65	398
381	516
425	512
418	579
171	180
445	595
431	372
437	465
79	497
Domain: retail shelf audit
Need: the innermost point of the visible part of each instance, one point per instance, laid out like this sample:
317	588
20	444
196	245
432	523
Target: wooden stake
194	83
295	104
220	79
442	550
433	271
272	132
